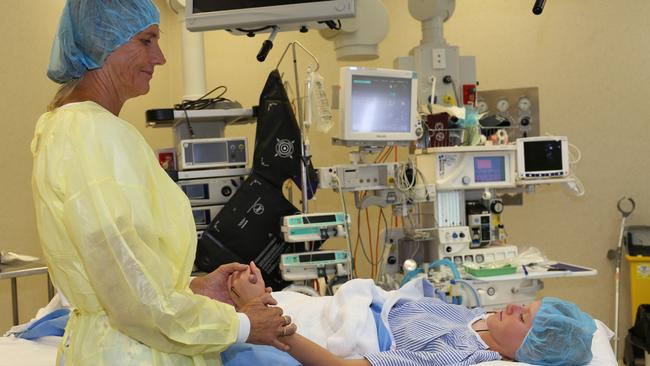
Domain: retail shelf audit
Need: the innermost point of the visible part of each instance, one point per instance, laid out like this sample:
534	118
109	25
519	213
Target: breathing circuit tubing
411	274
456	280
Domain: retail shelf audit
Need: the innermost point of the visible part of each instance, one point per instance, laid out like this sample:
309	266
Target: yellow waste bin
639	281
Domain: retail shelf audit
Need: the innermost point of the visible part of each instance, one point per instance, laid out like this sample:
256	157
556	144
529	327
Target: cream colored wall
27	29
588	59
24	95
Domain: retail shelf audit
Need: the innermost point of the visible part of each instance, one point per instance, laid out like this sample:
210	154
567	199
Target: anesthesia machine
471	154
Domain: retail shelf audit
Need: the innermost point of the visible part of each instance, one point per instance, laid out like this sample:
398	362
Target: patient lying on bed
427	331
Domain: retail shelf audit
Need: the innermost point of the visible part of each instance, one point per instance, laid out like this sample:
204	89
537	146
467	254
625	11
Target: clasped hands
243	287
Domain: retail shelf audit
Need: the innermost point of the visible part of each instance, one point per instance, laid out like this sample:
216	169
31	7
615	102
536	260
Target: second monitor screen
202	6
381	104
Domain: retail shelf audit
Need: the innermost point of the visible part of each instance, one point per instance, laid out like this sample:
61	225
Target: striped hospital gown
431	332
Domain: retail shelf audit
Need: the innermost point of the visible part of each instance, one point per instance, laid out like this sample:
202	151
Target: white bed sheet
21	352
42	352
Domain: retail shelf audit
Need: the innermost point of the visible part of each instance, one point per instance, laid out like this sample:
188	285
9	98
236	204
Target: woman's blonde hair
63	93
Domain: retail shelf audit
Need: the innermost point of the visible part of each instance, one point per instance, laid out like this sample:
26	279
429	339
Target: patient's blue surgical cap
561	335
89	30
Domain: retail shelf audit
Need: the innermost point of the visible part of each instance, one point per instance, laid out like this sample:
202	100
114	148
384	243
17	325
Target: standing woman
117	233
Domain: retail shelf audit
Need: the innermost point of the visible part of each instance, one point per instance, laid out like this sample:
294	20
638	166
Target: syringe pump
314	227
312	265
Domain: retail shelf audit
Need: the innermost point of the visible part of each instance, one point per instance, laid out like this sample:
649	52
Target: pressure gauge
524	104
496	206
503	105
482	106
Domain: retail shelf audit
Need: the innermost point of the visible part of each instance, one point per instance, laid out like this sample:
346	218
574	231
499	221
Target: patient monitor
378	106
542	157
202	15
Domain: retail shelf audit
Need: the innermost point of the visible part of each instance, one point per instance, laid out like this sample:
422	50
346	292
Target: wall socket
439	58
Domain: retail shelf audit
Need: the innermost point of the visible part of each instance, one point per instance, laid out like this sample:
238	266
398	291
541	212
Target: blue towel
246	354
52	324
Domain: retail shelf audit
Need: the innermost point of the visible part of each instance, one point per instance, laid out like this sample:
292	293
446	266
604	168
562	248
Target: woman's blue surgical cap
89	30
561	335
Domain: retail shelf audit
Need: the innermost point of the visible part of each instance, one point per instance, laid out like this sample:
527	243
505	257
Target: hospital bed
42	351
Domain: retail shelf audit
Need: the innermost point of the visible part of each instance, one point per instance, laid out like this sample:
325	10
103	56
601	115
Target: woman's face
510	326
131	65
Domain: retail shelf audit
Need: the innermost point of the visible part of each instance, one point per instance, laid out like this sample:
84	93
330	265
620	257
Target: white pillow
601	350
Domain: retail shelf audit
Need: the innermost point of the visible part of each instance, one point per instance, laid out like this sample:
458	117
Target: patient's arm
301	348
309	353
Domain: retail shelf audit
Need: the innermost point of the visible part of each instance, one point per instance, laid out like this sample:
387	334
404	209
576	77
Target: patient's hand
242	290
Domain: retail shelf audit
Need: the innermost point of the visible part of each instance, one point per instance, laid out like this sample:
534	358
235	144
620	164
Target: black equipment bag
248	229
277	155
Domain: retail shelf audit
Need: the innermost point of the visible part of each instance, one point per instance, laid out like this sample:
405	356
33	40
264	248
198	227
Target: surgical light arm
538	7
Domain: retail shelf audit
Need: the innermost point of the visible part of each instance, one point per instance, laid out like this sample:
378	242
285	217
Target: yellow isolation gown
119	238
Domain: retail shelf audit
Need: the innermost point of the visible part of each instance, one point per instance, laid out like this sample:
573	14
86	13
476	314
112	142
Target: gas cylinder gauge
524	104
503	105
496	206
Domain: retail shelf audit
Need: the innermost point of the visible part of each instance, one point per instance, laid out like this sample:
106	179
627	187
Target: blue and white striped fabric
431	332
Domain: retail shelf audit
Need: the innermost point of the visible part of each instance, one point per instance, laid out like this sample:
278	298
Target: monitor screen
318	219
196	191
489	169
201	217
205	153
380	104
317	257
203	15
541	156
202	6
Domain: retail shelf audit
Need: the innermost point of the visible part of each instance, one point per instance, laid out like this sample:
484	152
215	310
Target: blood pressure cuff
277	155
248	229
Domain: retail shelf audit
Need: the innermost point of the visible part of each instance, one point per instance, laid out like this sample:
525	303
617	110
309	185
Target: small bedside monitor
542	157
378	105
203	15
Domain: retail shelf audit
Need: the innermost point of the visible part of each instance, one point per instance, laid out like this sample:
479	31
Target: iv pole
303	148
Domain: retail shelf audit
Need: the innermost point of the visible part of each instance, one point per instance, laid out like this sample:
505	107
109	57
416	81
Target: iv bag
321	112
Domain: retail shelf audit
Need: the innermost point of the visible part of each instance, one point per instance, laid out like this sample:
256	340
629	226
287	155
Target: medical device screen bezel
262	16
523	173
346	100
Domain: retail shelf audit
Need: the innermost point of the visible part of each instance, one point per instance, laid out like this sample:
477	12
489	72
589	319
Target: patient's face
510	326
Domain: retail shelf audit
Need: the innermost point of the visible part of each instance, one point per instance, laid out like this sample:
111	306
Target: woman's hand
215	284
267	322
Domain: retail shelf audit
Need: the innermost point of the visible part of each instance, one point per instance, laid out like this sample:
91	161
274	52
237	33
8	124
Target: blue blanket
52	324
